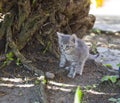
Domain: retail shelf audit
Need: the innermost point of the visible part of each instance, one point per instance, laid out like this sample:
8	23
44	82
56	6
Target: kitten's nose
63	49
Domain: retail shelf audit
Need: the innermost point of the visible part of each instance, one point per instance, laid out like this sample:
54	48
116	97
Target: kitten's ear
59	34
59	37
73	38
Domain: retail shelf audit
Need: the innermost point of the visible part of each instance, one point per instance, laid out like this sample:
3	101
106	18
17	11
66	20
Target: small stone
50	75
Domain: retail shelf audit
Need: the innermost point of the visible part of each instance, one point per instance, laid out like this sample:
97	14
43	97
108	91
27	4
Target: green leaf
47	47
5	62
11	59
33	2
44	81
113	79
108	65
78	95
37	82
112	99
9	55
118	65
18	62
105	78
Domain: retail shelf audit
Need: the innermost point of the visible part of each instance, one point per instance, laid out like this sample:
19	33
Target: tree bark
44	18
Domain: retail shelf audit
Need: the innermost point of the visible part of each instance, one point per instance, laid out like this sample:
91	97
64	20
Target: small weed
108	66
88	87
47	47
40	80
44	81
97	31
33	2
78	95
37	82
113	79
118	65
9	58
18	62
118	69
94	48
114	100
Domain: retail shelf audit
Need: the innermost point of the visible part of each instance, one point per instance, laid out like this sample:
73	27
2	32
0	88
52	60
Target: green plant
18	62
88	87
118	65
118	69
37	82
114	100
47	47
113	79
78	95
33	2
108	65
94	48
96	31
44	81
9	58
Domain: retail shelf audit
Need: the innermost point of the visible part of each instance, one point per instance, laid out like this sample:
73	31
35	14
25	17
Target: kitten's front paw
71	75
67	68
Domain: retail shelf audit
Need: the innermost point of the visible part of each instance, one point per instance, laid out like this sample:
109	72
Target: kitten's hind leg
62	61
81	67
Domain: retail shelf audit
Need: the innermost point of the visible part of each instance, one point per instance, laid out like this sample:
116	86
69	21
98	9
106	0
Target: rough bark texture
25	18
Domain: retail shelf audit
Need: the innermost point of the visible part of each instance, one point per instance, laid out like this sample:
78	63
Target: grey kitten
74	51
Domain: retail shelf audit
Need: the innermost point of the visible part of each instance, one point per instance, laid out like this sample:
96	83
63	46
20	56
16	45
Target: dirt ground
18	85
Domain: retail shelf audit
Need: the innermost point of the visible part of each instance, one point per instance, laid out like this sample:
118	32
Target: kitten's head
66	42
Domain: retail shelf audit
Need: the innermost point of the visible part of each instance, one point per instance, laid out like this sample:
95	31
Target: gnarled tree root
28	65
11	44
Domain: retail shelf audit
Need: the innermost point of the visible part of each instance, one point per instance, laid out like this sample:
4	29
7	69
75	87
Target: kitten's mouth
68	53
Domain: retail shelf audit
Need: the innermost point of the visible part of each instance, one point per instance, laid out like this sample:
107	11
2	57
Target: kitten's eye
67	47
61	46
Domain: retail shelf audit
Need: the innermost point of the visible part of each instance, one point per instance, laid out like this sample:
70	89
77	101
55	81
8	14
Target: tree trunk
25	18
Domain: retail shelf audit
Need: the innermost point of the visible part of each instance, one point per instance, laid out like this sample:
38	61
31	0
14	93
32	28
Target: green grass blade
78	95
